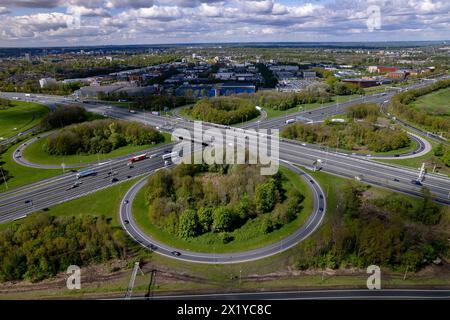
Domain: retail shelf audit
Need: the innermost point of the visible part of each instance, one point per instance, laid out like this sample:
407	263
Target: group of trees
270	81
336	86
391	231
443	153
284	101
191	200
353	135
100	136
400	106
43	245
63	116
224	110
5	103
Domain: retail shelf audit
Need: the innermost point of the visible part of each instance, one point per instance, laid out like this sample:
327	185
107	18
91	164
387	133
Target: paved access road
147	241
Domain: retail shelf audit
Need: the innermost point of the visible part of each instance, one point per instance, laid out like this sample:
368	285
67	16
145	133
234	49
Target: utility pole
132	280
4	178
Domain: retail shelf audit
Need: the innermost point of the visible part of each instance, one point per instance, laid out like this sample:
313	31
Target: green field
35	153
22	175
20	117
436	103
246	238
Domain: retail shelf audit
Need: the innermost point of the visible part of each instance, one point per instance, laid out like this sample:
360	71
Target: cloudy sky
102	22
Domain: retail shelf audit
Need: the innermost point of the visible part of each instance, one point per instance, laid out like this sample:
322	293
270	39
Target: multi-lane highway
59	189
147	241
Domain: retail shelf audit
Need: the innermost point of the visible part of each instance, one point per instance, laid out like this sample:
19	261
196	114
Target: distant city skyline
25	23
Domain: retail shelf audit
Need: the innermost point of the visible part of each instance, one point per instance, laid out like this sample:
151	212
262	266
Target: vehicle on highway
126	201
416	182
126	222
132	111
114	180
289	121
86	173
137	158
176	253
169	156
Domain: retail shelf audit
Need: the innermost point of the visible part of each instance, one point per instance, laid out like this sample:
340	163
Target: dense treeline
443	153
400	106
224	110
63	116
270	81
5	103
386	231
150	102
283	101
42	246
191	200
100	136
353	135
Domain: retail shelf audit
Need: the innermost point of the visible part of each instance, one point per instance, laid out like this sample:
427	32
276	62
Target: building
309	75
93	92
226	89
46	82
399	74
362	83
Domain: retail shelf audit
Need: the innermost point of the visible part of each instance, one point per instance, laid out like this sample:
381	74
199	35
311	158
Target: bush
63	116
41	246
100	136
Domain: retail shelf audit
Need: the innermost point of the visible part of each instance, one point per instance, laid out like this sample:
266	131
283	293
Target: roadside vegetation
403	106
221	208
223	110
394	232
362	130
18	116
42	246
100	136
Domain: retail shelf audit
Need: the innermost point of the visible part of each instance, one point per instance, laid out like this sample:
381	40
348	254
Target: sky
25	23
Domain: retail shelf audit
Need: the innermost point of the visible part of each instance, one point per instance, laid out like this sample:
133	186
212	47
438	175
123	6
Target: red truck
137	158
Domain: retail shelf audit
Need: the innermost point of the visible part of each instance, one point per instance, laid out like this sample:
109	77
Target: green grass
245	238
35	153
21	116
101	203
21	175
271	113
436	103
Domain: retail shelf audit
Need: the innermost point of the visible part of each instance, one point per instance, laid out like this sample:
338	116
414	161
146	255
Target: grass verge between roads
429	159
22	116
245	238
21	175
101	203
35	153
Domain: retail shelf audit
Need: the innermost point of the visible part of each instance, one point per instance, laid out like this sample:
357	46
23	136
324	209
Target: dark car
176	253
321	196
126	222
416	182
396	180
114	180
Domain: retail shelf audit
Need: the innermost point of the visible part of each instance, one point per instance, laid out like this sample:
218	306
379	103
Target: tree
222	219
189	224
266	196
